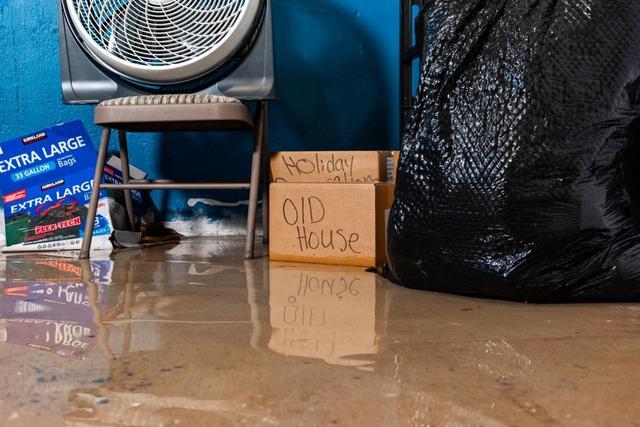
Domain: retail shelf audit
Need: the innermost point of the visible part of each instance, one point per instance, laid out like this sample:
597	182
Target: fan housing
115	48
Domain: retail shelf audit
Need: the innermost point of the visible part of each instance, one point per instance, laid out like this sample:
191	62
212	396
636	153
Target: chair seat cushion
185	112
183	99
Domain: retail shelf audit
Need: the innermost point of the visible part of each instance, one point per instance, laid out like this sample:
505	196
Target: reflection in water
55	269
63	338
104	407
324	312
45	305
129	306
157	337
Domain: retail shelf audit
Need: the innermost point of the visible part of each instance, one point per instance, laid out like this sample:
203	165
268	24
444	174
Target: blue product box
46	179
112	174
45	155
52	215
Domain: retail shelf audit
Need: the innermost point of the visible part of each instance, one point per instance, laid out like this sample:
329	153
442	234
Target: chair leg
265	177
95	194
256	163
126	177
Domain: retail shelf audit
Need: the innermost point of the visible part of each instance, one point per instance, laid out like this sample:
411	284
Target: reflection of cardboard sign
323	313
329	223
331	166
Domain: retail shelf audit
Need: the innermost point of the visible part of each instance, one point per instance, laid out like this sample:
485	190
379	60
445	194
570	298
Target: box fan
116	48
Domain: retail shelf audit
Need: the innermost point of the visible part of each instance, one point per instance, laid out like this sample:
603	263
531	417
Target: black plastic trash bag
520	173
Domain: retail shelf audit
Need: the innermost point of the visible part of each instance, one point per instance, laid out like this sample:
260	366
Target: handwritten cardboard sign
332	166
329	223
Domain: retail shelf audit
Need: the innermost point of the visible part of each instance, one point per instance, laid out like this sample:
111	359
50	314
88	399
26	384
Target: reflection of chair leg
256	164
129	300
126	177
93	294
95	194
256	290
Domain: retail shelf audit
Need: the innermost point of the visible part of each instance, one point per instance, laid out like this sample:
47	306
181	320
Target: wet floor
193	335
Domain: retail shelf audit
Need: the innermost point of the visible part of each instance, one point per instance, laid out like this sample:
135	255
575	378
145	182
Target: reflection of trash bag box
48	301
55	317
66	339
49	268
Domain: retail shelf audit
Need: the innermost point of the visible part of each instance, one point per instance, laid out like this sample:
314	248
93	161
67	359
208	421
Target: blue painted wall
337	76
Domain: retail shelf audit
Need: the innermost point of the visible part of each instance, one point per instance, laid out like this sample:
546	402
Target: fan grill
158	33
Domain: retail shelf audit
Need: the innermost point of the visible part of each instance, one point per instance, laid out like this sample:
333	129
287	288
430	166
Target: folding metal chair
161	113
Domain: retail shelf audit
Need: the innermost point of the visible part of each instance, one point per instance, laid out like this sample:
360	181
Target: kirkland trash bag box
519	175
143	207
46	179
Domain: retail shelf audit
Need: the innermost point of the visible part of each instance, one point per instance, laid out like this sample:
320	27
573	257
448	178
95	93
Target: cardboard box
332	166
325	312
329	223
395	159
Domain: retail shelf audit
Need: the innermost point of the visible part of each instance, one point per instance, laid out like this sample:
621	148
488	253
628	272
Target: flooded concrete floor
193	335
